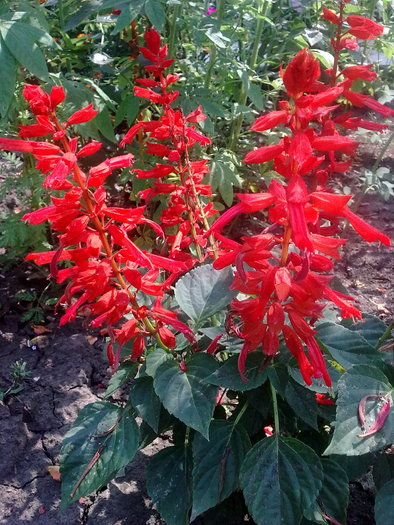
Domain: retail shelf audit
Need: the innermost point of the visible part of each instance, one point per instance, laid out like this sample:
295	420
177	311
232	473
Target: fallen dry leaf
39	329
54	471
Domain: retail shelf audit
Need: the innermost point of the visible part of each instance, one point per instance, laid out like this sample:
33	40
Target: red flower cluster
184	218
284	269
107	268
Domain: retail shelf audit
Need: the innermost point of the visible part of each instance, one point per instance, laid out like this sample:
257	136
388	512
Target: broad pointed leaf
24	49
228	376
155	12
346	346
334	494
103	439
119	378
280	479
217	463
8	68
371	328
204	291
155	359
146	401
358	382
169	484
384	508
185	394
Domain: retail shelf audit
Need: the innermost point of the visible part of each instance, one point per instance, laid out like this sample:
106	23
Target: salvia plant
226	338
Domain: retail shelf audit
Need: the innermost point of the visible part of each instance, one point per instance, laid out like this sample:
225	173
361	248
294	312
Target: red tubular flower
359	72
363	28
82	115
264	154
270	120
330	16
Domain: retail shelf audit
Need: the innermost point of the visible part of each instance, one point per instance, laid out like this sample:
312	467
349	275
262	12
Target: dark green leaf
156	359
124	372
383	469
384	508
146	401
280	479
334	493
358	382
129	12
24	49
204	291
228	375
346	346
8	68
103	439
371	328
303	402
185	394
217	37
217	463
155	12
169	484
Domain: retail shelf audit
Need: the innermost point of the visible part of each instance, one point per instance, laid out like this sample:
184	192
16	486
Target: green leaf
24	49
103	439
228	375
325	58
104	124
8	69
169	484
146	401
88	9
155	12
280	479
224	174
204	291
334	493
185	394
129	12
155	359
383	469
124	372
371	328
303	402
384	508
358	382
217	464
346	346
256	96
217	37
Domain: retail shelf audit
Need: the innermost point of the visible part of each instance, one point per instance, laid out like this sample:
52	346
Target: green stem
171	38
275	407
240	414
386	334
61	14
237	124
373	6
213	51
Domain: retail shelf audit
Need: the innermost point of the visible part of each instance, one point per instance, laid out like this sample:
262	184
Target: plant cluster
216	328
